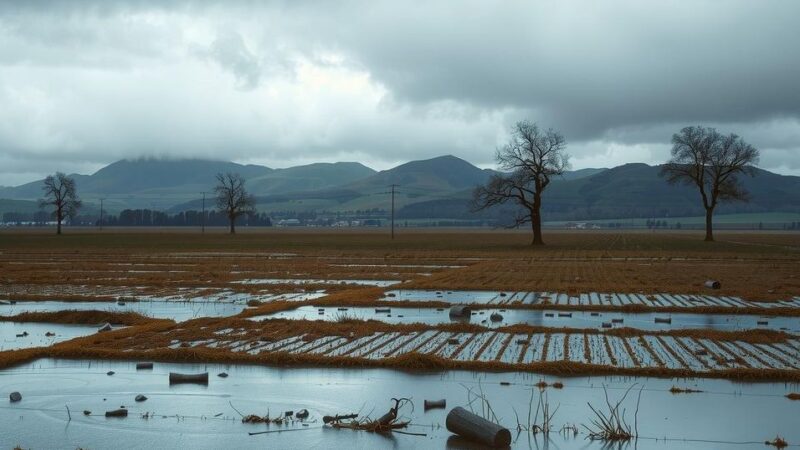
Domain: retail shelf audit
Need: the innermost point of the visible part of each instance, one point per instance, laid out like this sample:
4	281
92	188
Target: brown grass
793	396
81	317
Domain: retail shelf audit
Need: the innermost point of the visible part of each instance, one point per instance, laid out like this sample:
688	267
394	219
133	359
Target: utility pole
101	213
393	186
203	216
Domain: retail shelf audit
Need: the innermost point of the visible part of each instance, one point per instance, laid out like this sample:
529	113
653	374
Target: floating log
606	325
460	311
762	322
549	314
476	428
200	378
496	317
110	372
289	413
122	412
144	365
713	284
564	314
15	397
435	404
663	320
595	314
617	320
383	310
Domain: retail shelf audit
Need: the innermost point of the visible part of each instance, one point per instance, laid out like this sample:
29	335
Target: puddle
178	311
545	318
13	337
379	283
195	416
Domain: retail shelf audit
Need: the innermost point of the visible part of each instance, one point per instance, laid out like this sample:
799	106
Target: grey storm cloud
85	82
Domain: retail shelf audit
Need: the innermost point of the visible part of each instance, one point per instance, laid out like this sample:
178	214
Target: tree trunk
233	225
58	220
536	220
709	227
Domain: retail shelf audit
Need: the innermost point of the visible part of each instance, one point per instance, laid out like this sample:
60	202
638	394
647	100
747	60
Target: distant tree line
147	217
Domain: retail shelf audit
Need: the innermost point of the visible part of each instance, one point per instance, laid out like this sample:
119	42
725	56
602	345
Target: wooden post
476	428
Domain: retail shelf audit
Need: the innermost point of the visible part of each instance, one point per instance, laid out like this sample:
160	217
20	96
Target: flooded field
544	318
174	310
337	327
656	301
17	335
203	416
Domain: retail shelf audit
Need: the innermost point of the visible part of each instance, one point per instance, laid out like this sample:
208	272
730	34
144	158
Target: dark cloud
86	82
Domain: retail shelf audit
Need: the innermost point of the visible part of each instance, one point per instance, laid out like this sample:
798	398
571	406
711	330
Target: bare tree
711	161
232	198
61	195
530	159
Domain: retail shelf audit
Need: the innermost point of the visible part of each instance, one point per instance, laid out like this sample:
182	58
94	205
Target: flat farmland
264	272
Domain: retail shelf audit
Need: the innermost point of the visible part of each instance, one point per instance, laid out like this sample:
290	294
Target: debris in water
199	378
144	365
122	412
15	397
476	428
140	398
435	404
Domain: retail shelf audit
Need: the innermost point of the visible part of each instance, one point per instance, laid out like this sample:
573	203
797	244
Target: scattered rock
223	375
104	328
15	397
86	412
712	284
302	414
140	398
496	317
23	334
110	372
49	334
289	413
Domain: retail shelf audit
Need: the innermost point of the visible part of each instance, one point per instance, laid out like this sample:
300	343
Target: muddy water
17	335
193	416
571	319
175	310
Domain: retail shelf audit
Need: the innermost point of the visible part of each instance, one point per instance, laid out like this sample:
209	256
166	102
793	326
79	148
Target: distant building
289	223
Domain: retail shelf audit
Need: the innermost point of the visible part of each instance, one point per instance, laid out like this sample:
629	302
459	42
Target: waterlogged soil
544	318
196	416
17	335
178	311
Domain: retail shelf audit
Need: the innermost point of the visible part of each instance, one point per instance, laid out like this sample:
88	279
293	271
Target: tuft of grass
677	390
778	442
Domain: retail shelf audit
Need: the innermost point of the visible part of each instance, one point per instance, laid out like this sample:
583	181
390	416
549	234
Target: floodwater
200	417
178	311
17	335
545	318
301	281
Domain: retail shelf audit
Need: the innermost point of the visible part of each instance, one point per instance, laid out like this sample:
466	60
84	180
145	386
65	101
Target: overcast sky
85	83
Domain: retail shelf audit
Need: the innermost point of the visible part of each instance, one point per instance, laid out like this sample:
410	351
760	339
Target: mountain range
437	188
